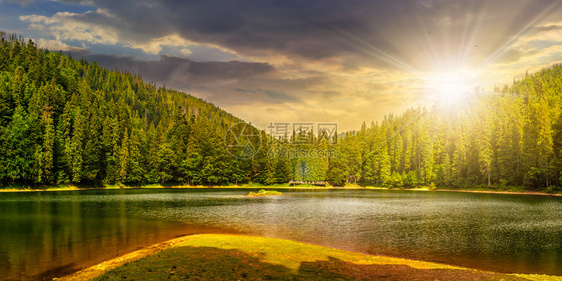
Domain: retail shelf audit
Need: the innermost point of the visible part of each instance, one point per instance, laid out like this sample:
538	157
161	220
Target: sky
265	61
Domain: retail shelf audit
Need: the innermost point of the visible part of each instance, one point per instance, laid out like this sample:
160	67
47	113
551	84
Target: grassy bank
68	187
237	257
63	187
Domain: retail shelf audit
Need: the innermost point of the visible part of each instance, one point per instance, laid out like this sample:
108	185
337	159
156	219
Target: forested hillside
512	137
64	120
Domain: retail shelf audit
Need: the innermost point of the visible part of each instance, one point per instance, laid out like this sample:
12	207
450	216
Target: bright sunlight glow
449	88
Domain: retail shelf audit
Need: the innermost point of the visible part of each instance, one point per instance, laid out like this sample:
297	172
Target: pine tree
135	170
18	157
124	158
76	149
64	120
48	145
337	173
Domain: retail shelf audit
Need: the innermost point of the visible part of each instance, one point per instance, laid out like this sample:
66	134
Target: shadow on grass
205	263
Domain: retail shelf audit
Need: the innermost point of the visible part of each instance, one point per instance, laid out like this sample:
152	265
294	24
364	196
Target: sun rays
447	63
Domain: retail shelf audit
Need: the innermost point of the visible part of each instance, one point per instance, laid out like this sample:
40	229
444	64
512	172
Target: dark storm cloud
21	2
226	70
365	32
277	96
181	71
244	82
310	57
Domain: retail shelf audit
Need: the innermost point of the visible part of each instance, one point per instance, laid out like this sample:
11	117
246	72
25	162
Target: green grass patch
264	192
236	257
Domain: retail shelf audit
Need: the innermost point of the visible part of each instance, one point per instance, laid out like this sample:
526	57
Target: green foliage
16	143
264	192
396	180
512	138
410	180
432	186
65	121
337	170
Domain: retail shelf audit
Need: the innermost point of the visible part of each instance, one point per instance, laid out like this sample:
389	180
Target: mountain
509	138
67	121
63	120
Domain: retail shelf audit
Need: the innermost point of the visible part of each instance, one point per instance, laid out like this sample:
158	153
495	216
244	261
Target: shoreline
502	192
76	188
293	255
93	271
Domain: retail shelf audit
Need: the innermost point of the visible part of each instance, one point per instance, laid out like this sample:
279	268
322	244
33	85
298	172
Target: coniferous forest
67	121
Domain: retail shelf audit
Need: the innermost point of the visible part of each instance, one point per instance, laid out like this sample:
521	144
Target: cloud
55	45
21	2
548	27
75	26
186	52
351	60
102	27
388	34
181	72
541	47
513	55
248	89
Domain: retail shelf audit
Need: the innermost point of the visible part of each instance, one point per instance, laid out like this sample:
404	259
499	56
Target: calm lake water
45	234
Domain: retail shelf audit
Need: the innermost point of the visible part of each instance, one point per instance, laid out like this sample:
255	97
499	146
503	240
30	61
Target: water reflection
506	233
53	232
49	234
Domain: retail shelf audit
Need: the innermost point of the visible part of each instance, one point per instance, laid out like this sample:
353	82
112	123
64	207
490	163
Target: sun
448	87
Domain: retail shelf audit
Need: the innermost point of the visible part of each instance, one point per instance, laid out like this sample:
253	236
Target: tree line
66	121
511	137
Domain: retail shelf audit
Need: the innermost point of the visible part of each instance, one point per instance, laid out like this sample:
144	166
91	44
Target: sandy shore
275	256
96	270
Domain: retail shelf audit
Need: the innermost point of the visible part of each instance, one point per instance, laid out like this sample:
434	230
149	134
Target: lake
46	234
